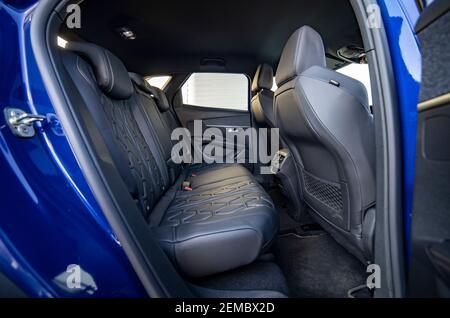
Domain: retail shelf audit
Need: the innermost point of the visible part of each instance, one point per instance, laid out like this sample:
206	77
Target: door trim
434	102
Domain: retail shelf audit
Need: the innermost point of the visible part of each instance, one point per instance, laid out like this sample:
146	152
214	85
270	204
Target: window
274	86
217	90
158	81
359	72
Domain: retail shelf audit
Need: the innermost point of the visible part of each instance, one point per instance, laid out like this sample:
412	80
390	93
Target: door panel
430	259
216	117
221	102
228	121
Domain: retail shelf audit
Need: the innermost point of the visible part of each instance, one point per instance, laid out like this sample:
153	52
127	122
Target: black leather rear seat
227	219
158	121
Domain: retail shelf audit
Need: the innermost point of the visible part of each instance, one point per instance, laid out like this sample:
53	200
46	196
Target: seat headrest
303	49
140	82
161	100
157	94
112	76
263	78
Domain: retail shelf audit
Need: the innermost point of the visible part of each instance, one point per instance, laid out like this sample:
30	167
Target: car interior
135	71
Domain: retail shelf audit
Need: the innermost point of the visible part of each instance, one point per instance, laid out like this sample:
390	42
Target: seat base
223	223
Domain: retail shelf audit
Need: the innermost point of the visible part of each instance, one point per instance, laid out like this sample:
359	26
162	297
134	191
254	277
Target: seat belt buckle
186	186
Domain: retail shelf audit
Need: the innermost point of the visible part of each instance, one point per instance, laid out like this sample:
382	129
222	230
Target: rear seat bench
226	220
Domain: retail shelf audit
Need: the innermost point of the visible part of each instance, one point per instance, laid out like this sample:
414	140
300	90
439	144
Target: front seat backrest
262	101
325	119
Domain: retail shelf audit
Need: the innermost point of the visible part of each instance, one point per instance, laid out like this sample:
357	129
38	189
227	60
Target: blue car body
48	215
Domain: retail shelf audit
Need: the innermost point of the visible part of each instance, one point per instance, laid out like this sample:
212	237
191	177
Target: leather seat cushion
217	227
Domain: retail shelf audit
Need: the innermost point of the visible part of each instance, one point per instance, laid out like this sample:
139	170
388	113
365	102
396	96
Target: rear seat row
223	220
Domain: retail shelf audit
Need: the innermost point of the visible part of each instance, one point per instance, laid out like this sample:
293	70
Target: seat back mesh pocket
327	193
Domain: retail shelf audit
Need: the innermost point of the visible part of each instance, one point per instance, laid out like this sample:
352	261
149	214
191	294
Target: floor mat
317	266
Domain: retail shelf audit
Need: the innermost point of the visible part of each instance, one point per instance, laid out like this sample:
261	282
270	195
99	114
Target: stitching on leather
210	213
104	64
112	73
212	194
141	161
91	85
154	138
145	95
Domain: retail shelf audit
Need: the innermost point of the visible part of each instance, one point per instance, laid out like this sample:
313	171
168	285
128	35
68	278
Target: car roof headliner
173	36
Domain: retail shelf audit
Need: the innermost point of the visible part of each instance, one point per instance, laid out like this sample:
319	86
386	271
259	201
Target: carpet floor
318	267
